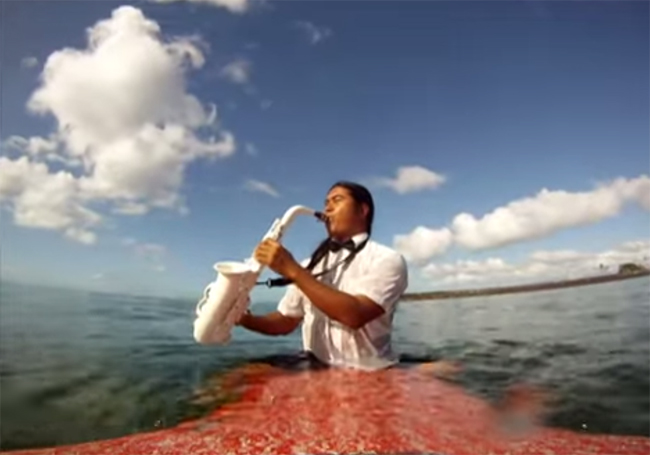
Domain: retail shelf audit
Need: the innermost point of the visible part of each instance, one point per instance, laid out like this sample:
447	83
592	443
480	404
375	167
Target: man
346	308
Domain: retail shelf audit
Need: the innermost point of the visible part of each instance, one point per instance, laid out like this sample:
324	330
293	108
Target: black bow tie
335	246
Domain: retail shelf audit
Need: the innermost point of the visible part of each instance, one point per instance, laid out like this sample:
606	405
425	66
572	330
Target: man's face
344	216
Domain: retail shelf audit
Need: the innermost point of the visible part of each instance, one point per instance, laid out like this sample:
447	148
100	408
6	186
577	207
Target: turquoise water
79	366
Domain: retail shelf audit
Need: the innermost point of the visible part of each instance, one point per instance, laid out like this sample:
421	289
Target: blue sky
481	106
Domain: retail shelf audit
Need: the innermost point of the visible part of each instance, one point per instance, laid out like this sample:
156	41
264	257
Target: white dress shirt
379	273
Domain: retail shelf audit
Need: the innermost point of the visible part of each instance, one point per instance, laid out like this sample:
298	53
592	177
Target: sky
144	141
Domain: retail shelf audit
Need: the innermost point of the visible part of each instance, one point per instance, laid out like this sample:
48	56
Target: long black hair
361	196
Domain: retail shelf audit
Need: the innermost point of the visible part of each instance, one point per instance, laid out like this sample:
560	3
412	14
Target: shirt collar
359	238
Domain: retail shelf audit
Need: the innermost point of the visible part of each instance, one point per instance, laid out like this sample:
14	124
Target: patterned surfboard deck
397	411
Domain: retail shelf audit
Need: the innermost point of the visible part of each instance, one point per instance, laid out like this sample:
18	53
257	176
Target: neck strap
277	282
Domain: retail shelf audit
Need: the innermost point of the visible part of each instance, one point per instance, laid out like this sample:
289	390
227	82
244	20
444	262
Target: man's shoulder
378	251
305	262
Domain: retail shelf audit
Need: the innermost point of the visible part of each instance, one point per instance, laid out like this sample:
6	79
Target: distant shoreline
544	286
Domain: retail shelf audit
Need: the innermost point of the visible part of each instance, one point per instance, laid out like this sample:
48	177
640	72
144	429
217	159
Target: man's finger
271	243
263	247
259	255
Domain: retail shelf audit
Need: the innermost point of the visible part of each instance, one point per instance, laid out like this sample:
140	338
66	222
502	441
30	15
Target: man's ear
365	210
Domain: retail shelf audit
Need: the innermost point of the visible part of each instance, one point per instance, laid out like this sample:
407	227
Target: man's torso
331	341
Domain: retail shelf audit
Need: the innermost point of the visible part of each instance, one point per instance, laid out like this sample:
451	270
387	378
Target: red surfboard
395	411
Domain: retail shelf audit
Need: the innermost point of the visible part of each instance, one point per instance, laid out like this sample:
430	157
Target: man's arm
371	296
283	321
369	299
354	311
274	323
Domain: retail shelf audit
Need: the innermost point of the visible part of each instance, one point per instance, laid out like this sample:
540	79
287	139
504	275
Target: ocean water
79	366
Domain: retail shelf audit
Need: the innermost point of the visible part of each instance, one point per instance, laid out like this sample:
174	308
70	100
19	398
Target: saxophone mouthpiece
321	216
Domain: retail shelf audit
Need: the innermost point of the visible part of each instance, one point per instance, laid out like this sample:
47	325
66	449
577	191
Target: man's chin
335	233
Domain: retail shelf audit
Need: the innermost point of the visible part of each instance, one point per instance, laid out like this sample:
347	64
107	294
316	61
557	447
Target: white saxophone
227	297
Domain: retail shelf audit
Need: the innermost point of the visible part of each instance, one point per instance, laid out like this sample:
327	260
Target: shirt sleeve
384	283
292	303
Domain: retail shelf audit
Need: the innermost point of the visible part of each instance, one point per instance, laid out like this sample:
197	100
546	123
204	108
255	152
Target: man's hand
274	256
242	318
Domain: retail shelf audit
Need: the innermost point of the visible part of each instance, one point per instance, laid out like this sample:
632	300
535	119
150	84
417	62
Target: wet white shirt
378	272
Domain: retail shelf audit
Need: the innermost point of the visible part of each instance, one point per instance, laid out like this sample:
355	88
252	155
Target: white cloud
123	113
423	243
40	148
410	179
266	105
468	270
237	71
314	33
526	219
234	6
634	246
29	62
548	212
541	266
35	145
45	200
558	256
131	208
262	187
